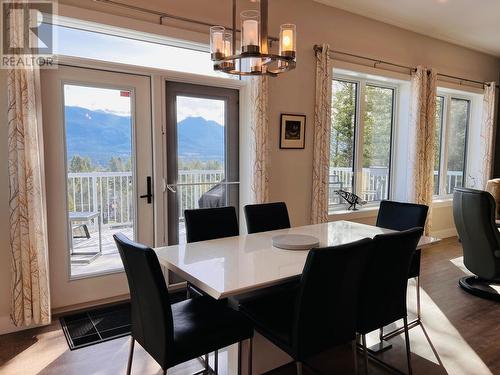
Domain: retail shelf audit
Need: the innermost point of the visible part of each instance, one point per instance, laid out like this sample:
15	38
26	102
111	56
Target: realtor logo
27	31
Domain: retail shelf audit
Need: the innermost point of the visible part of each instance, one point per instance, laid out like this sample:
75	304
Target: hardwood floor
460	335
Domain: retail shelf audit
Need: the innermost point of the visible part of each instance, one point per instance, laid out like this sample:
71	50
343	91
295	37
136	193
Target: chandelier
254	57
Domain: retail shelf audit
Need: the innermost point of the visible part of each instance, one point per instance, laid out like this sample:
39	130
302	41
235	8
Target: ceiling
470	23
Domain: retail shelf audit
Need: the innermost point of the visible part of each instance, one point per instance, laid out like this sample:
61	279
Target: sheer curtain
421	139
30	302
260	139
322	129
487	134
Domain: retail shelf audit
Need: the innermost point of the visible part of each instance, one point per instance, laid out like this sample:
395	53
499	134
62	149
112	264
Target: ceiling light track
163	15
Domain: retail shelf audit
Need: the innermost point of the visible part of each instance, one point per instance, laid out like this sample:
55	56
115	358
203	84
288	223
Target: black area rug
97	325
102	324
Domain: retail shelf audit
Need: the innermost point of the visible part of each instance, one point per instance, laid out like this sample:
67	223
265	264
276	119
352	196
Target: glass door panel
200	155
202	152
98	157
100	188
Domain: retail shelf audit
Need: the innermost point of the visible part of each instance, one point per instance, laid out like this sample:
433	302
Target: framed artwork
292	131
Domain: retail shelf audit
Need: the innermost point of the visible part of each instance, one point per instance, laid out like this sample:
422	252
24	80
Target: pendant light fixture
254	57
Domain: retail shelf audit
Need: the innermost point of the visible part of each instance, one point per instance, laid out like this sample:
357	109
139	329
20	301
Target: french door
98	157
202	151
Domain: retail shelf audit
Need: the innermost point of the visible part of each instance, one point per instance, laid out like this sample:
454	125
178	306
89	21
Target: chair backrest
266	217
211	223
325	307
401	215
383	290
152	323
474	215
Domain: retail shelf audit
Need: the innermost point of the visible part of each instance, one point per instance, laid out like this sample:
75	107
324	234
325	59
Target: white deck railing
375	183
111	193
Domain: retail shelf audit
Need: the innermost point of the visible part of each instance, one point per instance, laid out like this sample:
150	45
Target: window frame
443	143
359	126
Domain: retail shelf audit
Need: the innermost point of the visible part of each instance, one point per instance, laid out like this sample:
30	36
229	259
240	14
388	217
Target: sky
79	43
209	109
94	99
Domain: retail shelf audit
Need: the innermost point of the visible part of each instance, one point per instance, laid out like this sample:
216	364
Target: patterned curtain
421	139
260	144
30	303
322	129
487	133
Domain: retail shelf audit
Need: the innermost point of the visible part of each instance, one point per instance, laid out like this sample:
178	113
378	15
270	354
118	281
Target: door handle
149	192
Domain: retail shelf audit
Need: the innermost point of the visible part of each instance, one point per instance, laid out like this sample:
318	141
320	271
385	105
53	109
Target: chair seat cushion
272	315
202	325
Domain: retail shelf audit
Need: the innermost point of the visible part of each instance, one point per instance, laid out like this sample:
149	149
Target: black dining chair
402	216
205	224
305	320
266	217
385	280
211	223
174	333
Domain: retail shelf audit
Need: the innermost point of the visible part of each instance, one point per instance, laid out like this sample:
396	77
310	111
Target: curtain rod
163	15
318	48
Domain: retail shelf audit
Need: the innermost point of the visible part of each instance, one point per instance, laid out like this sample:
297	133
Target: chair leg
207	365
418	297
355	355
130	355
250	349
239	357
381	334
365	353
216	362
299	367
407	339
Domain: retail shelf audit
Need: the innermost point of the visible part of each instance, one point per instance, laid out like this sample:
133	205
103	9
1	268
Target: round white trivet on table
295	241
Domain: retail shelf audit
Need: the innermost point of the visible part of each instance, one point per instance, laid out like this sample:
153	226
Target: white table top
236	265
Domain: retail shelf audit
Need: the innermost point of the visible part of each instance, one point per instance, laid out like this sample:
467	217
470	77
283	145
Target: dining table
233	266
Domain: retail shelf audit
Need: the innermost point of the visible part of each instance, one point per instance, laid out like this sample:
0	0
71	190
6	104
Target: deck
109	261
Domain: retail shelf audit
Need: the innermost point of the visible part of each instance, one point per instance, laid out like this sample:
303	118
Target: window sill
442	202
365	212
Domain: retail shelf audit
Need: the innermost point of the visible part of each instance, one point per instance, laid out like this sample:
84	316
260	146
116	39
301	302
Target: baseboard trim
445	233
90	304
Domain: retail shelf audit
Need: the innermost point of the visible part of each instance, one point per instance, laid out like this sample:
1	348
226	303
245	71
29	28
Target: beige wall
294	92
290	93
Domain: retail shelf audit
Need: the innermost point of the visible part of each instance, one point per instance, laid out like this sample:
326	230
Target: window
361	139
177	56
450	148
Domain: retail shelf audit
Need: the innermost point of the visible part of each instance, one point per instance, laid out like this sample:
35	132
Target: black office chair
176	333
402	216
205	224
266	217
474	214
305	320
383	292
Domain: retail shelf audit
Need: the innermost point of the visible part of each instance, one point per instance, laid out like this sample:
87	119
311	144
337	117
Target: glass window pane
98	128
200	155
378	119
344	102
438	142
457	133
105	47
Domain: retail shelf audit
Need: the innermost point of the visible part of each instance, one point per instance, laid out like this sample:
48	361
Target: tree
80	164
343	122
117	164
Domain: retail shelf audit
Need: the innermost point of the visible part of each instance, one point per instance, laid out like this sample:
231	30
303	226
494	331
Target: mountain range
101	135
